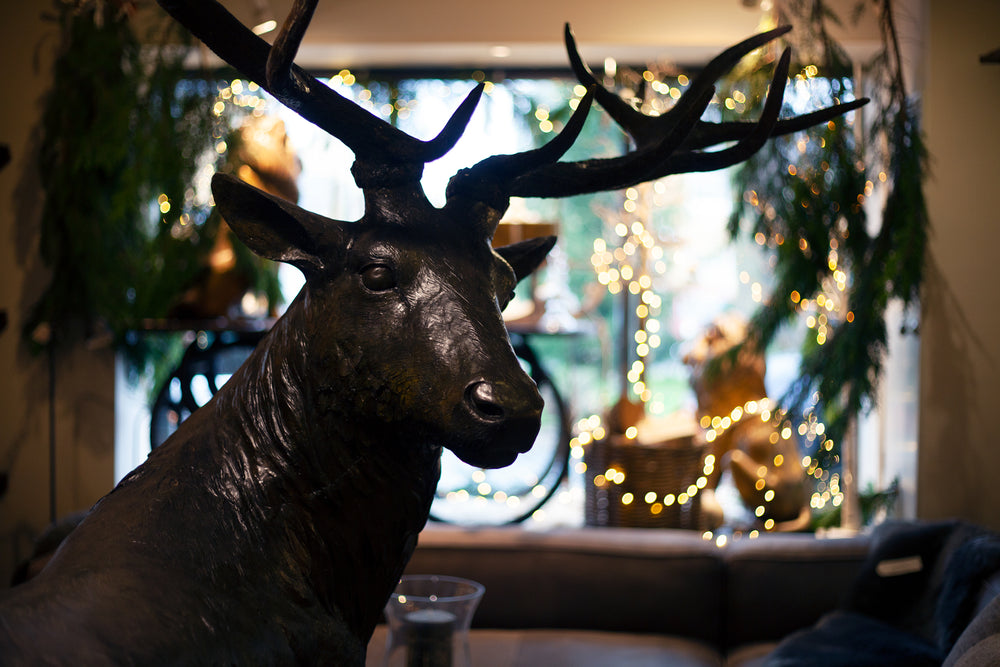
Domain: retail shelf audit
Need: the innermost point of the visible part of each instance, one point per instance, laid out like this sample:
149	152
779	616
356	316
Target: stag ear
526	256
273	227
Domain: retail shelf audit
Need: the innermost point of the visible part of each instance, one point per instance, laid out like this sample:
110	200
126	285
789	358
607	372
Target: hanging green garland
117	133
124	130
828	266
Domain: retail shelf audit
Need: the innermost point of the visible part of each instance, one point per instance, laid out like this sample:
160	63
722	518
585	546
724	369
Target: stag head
407	314
423	282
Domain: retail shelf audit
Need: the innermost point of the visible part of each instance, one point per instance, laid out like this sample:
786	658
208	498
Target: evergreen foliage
817	226
123	128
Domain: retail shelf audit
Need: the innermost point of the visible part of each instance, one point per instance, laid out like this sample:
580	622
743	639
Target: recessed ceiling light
262	15
500	51
264	27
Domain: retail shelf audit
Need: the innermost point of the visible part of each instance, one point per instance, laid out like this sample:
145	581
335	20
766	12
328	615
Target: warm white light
265	27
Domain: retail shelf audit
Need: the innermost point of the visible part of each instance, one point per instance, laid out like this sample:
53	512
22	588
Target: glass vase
429	618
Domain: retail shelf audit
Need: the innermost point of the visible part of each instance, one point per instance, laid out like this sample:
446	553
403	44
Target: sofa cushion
667	582
979	645
778	584
846	639
903	575
573	648
971	582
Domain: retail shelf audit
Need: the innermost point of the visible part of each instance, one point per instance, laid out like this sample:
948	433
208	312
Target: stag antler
373	141
644	129
386	156
667	144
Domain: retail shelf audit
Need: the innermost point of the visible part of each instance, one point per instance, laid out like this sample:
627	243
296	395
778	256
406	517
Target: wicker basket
649	486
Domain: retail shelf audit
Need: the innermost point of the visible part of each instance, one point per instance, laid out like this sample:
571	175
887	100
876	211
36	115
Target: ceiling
404	33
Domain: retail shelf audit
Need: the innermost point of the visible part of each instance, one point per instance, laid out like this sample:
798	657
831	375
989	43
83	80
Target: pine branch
840	371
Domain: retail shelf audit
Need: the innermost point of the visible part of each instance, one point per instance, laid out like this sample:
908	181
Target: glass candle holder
429	618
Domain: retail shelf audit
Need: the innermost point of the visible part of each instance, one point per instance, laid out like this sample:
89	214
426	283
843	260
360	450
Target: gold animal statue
264	158
766	468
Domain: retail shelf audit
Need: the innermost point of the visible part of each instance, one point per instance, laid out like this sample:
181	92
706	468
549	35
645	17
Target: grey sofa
906	594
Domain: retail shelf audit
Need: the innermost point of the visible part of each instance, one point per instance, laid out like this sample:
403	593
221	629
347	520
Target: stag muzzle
504	420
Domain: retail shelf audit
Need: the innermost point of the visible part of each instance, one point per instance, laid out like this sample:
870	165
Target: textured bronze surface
273	525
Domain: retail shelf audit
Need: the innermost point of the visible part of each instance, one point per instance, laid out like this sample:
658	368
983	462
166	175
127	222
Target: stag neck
313	468
292	420
265	404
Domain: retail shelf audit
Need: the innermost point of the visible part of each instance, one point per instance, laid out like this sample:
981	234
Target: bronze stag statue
274	524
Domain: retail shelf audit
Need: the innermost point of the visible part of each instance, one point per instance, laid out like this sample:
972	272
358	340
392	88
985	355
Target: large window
691	270
667	237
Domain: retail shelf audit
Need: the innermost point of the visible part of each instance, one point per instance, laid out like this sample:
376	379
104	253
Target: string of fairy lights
628	265
830	302
827	489
628	261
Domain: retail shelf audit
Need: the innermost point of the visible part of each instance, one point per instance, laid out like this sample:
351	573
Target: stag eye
378	277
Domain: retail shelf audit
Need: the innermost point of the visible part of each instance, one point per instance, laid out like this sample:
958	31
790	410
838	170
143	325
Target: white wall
960	360
84	387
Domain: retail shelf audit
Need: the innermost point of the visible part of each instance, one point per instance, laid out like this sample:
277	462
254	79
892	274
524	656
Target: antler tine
648	130
565	179
753	141
509	166
712	134
666	144
455	126
489	179
619	110
280	59
369	137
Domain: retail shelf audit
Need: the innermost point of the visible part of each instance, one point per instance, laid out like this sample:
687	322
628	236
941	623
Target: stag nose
501	421
511	412
482	399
